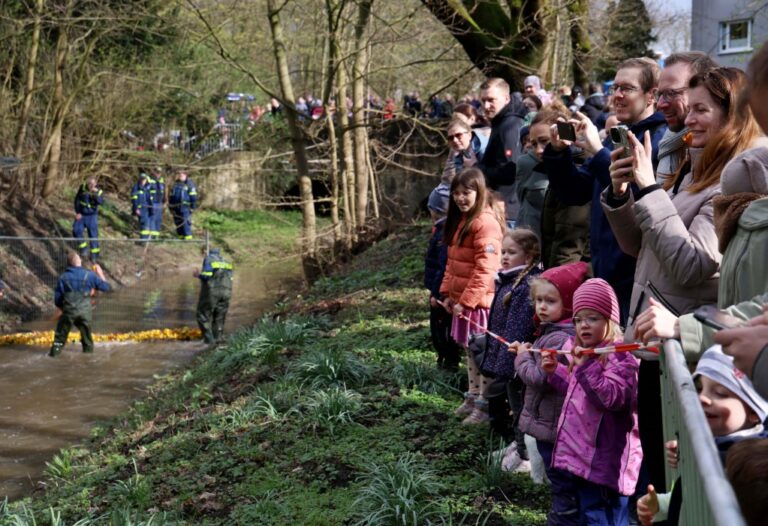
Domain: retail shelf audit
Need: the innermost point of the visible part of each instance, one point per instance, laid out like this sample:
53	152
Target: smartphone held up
620	139
711	316
566	131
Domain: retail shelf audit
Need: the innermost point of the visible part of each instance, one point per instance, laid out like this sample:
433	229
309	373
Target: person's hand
648	506
518	347
761	319
672	453
587	134
621	171
78	217
642	156
196	273
471	160
656	322
448	304
458	309
549	362
579	356
744	344
432	301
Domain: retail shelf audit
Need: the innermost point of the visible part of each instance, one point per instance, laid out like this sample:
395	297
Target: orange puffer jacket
472	265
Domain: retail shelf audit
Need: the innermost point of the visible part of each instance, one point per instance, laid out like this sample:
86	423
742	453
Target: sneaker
479	414
511	461
466	407
523	467
503	452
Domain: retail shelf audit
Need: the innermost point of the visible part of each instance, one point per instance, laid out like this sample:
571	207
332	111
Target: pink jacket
597	435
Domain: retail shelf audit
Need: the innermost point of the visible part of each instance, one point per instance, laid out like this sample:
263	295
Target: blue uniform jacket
77	279
87	202
213	262
183	194
157	189
140	197
576	186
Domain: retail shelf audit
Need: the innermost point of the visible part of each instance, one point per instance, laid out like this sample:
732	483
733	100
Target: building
729	30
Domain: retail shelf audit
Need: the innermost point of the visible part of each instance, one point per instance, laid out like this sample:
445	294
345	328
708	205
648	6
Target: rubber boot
55	349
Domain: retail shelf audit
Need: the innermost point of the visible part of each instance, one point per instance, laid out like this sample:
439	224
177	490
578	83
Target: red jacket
472	265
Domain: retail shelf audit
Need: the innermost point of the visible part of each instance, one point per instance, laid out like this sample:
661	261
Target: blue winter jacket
87	202
77	279
478	143
140	197
576	185
435	260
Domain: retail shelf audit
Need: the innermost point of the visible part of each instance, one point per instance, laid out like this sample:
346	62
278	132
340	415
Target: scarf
671	153
728	210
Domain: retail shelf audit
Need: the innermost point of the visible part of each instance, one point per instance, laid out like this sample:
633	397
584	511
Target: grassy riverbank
329	412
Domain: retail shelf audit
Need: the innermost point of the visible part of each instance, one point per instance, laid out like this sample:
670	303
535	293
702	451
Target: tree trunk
54	156
305	183
348	174
34	46
358	112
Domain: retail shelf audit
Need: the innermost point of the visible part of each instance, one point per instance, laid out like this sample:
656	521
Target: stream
50	403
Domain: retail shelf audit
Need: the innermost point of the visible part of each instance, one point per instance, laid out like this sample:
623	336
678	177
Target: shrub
332	408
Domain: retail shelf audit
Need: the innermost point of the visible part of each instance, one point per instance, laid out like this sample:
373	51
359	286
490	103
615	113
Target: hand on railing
648	506
672	453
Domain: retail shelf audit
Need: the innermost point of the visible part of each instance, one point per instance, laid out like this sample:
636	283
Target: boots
479	414
467	406
55	349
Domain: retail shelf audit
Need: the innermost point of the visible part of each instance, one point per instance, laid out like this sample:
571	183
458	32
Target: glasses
456	136
671	95
589	320
626	90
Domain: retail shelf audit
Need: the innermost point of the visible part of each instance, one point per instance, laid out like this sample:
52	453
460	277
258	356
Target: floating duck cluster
44	338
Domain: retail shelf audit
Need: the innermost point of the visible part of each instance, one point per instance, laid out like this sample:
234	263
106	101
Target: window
736	36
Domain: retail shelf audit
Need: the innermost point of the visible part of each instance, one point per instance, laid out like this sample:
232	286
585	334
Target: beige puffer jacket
672	235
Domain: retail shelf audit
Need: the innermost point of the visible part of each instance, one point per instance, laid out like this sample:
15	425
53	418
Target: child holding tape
473	234
597	436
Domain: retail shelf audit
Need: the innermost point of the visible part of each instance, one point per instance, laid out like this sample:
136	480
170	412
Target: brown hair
737	133
459	121
698	61
547	116
557	105
747	468
649	71
529	243
495	82
535	99
473	179
470	112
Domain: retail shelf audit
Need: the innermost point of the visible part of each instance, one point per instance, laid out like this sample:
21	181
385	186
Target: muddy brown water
50	403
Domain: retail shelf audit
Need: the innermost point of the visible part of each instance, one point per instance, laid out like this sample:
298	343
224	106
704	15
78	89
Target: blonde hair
613	332
529	242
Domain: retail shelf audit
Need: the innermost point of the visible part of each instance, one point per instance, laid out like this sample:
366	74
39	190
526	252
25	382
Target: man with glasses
633	94
500	158
672	102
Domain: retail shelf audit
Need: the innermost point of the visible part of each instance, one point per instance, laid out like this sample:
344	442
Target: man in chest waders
215	293
73	297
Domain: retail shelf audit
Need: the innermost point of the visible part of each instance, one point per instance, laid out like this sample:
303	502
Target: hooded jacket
498	163
472	265
597	436
574	186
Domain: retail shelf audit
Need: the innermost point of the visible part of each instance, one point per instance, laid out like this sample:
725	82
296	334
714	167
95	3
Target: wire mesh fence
153	287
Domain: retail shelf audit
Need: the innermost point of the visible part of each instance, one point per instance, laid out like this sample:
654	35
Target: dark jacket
576	185
513	322
77	279
503	148
87	202
543	403
183	195
594	109
140	197
435	260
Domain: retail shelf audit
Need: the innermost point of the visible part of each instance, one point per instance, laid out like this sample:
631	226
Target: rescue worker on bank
87	201
156	182
141	204
215	293
73	296
182	200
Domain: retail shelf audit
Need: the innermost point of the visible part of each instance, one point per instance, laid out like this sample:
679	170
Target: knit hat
717	366
566	279
439	198
598	295
532	80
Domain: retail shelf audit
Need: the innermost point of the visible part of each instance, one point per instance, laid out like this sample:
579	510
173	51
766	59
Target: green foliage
399	493
330	409
621	42
491	474
61	467
132	493
331	366
410	373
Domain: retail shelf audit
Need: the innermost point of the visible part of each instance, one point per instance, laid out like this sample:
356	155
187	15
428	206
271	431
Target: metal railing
708	498
223	137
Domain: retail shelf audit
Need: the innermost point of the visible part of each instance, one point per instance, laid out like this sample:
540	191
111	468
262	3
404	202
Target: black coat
503	148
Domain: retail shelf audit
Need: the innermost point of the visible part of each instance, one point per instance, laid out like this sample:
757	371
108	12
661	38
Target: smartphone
620	138
566	131
711	316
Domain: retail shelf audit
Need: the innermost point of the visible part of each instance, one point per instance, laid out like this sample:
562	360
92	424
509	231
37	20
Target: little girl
511	317
552	295
473	234
597	435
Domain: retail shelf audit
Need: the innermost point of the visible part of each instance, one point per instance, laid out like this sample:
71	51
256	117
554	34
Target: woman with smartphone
670	229
466	146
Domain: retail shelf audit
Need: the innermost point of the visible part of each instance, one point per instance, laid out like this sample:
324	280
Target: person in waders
215	293
73	297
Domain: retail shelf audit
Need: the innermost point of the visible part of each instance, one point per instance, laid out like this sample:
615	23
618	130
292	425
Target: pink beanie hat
598	295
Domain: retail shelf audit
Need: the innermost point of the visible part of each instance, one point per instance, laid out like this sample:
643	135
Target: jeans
565	500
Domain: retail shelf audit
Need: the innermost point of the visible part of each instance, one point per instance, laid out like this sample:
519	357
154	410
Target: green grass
323	419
